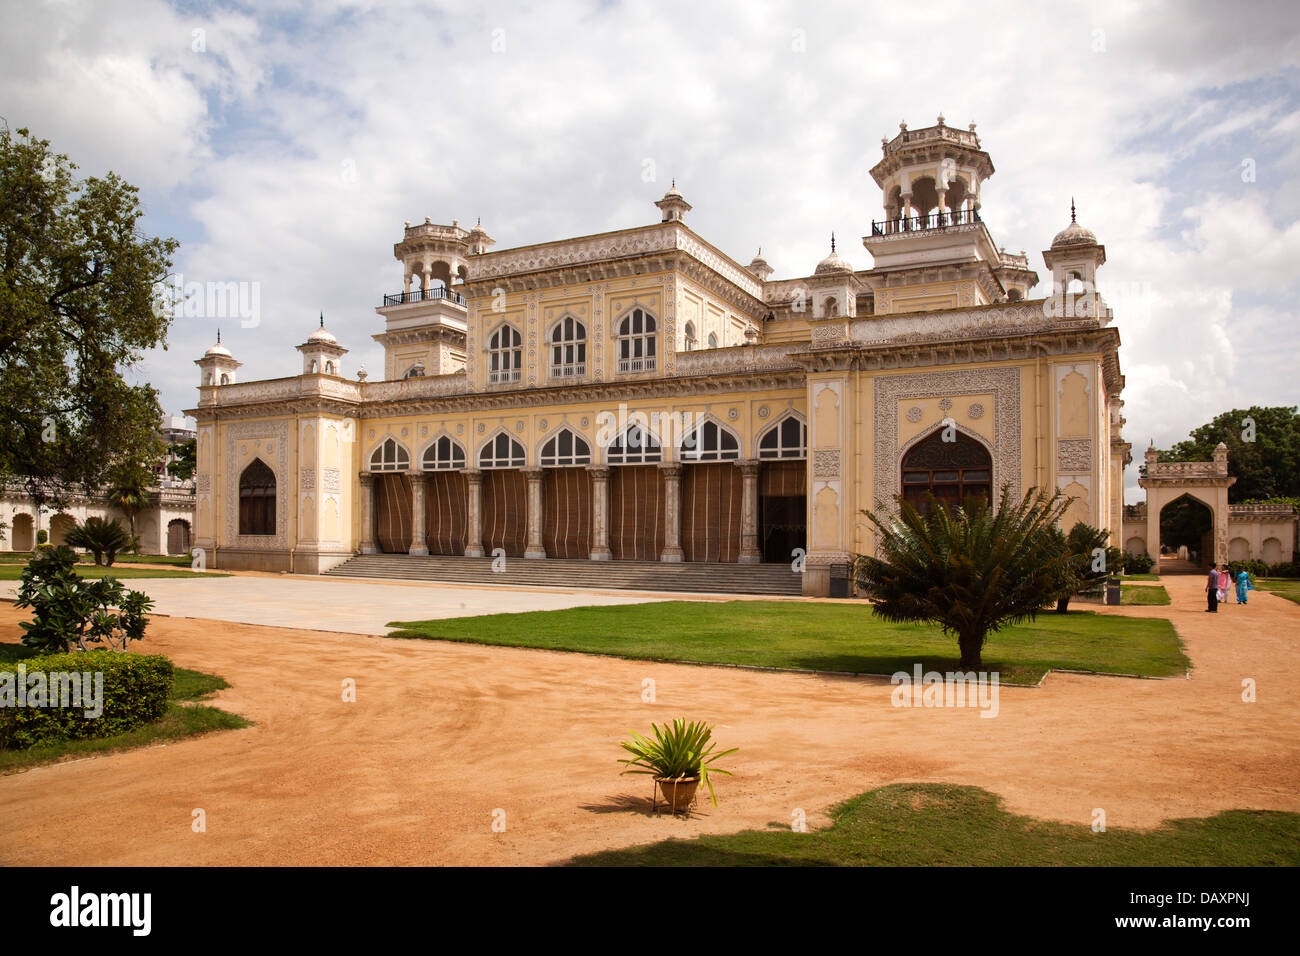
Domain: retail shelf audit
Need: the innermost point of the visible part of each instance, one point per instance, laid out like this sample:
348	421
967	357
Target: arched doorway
24	535
953	471
178	536
1188	522
257	499
60	525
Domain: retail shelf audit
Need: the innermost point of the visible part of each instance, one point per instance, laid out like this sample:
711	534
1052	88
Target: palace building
639	395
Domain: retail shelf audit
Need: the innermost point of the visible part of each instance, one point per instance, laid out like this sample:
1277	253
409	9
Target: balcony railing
419	295
573	370
504	376
629	365
933	220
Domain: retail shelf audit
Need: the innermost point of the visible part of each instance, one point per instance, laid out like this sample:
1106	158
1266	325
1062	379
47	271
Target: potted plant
678	756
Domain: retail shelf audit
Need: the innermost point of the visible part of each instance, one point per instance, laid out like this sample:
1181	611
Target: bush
1138	563
135	690
101	537
42	536
1285	570
68	609
1256	569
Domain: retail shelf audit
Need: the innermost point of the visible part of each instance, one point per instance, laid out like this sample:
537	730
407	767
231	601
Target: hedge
135	692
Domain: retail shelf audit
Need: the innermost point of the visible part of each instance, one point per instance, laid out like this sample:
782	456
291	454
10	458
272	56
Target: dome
1074	235
217	349
322	335
833	263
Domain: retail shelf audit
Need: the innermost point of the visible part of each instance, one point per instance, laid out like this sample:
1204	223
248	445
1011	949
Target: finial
1072	219
478	221
940	119
322	320
832	242
218	335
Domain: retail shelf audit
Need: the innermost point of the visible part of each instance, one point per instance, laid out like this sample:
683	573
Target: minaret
673	206
217	367
1074	258
321	353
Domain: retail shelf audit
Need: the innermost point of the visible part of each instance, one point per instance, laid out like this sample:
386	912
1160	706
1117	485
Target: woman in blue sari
1243	585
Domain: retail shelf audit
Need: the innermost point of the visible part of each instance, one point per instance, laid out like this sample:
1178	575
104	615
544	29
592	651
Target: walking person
1225	582
1244	584
1212	592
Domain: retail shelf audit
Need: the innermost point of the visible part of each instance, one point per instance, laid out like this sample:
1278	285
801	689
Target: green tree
1088	560
1263	450
80	300
972	570
101	537
183	467
128	489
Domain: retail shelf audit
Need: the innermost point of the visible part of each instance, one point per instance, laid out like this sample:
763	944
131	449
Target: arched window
636	342
505	355
390	456
329	368
569	349
710	442
313	366
444	454
257	499
788	438
415	371
501	452
565	448
713	340
953	471
225	379
636	446
689	332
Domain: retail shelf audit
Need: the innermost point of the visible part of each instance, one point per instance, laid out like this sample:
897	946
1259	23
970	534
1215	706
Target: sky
284	144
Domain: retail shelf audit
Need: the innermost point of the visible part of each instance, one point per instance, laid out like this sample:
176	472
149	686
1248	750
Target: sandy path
442	734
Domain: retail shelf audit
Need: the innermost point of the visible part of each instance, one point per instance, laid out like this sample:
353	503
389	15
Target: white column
749	553
672	474
367	503
534	547
600	514
474	514
418	543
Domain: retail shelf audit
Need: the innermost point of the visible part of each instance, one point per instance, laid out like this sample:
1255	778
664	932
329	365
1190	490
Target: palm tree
1085	565
129	491
971	570
100	537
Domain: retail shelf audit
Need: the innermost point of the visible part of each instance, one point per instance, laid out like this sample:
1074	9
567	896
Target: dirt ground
443	739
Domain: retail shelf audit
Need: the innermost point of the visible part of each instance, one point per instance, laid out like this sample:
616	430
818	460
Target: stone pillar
534	548
1153	527
418	543
672	475
474	514
368	545
600	514
749	553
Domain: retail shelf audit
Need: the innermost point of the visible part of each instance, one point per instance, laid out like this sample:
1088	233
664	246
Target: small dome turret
833	263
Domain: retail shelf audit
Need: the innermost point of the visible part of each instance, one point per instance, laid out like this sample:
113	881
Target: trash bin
839	580
1112	591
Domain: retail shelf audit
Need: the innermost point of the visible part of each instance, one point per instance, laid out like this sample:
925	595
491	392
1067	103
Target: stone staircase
776	579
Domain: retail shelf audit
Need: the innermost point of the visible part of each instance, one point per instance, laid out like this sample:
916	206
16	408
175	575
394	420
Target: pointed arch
953	471
257	494
502	450
710	440
636	338
566	342
564	449
505	348
635	445
390	455
443	453
787	437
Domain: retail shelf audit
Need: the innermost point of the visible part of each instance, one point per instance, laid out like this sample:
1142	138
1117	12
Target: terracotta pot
678	793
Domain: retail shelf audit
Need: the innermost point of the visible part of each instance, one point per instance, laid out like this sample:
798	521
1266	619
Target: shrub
42	536
135	690
68	609
1284	570
101	537
1256	569
678	751
1138	563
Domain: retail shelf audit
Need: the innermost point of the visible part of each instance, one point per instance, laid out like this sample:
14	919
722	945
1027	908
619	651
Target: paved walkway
347	605
442	735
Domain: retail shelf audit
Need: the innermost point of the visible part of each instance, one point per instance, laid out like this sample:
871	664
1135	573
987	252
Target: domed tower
834	287
217	367
321	353
673	206
932	250
432	255
1074	258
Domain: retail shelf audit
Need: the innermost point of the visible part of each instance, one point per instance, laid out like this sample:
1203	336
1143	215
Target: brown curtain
566	512
636	513
783	479
711	498
393	513
445	522
505	511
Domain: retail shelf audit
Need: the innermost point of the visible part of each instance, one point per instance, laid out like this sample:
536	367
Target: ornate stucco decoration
243	432
1074	455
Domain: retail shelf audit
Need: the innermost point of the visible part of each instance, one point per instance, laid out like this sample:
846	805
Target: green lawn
179	560
1145	594
14	572
1288	588
1149	576
184	718
825	637
945	825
